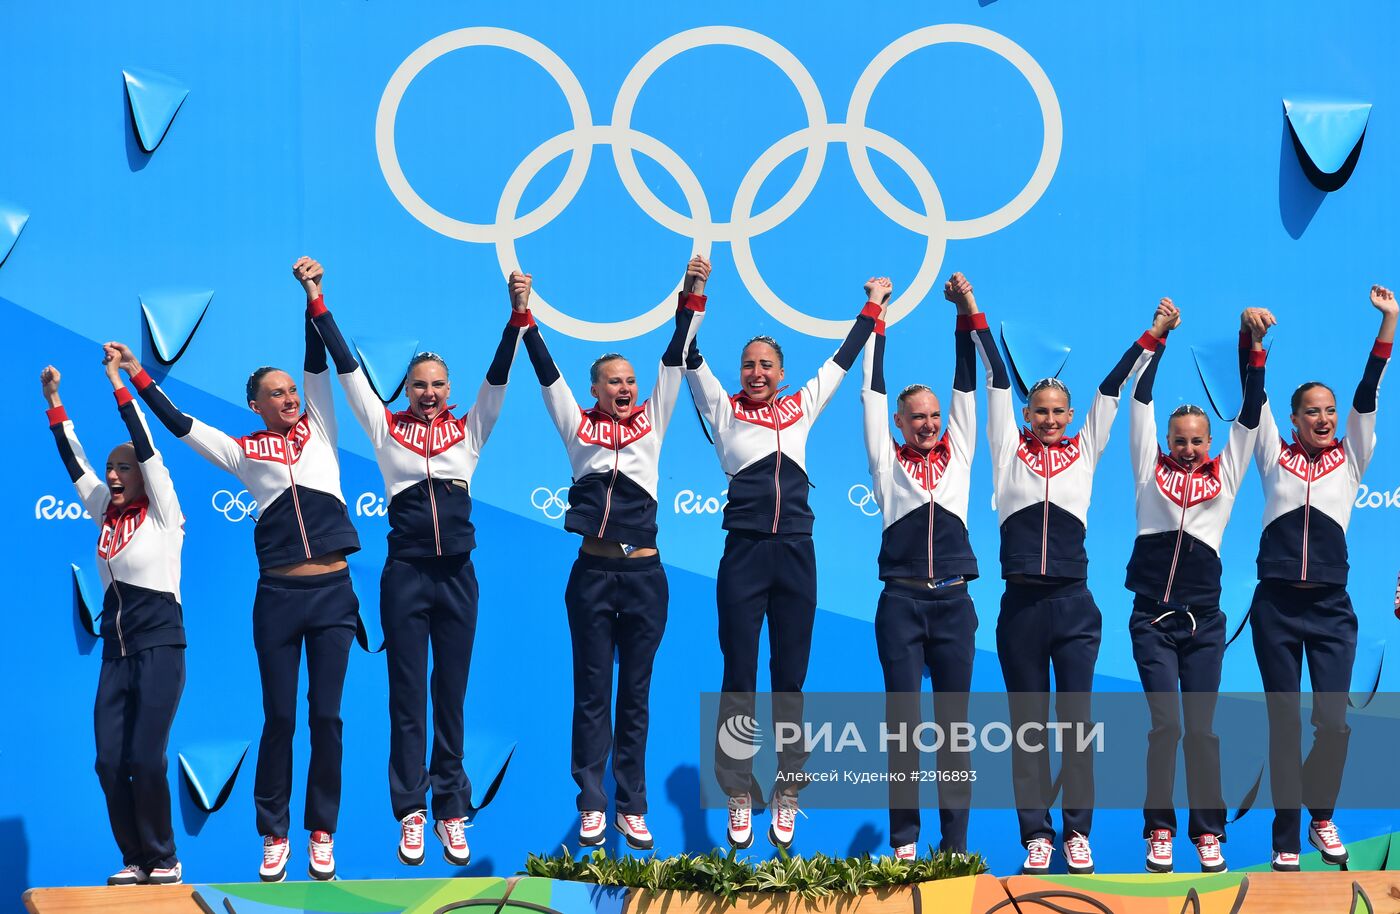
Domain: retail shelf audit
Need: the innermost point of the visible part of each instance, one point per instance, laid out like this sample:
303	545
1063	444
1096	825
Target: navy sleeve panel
693	358
175	422
1143	391
1365	399
1119	375
855	339
1001	378
545	369
964	360
315	349
145	450
674	356
498	374
1246	347
331	337
65	450
877	371
1253	391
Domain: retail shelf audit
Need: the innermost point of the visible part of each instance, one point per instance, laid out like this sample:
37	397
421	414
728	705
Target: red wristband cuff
57	415
1381	350
123	396
316	306
870	310
522	318
1246	339
879	327
693	302
976	321
1257	357
141	380
1149	342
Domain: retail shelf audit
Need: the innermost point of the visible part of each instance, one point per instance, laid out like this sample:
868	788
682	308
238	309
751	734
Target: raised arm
316	393
1361	421
879	446
210	443
481	418
971	323
558	399
160	488
1104	408
1246	429
690	311
1142	419
92	491
1254	325
972	330
817	393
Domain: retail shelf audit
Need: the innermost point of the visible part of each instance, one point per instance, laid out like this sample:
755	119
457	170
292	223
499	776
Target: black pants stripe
428	603
1288	622
319	612
772	577
1173	655
1041	625
918	629
136	700
617	607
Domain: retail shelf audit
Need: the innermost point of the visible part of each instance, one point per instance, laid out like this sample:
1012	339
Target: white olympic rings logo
552	502
862	497
234	507
743	224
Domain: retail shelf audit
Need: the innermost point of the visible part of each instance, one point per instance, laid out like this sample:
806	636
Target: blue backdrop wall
1077	161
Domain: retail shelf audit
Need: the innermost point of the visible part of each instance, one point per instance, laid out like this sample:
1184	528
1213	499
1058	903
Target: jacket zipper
432	496
1180	531
1307	516
1045	518
777	468
296	502
928	487
617	455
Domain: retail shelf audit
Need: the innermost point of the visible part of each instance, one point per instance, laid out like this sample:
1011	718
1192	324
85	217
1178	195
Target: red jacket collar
410	414
598	414
909	452
113	512
1029	436
1210	468
1336	443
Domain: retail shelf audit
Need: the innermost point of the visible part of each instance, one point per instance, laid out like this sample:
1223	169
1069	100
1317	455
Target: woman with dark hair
304	597
1184	500
1301	605
617	592
141	533
769	566
1043	479
428	591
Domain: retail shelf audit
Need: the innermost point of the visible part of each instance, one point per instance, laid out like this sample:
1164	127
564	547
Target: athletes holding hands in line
616	597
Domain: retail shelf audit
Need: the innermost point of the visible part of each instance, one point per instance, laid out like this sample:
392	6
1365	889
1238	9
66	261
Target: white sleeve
369	410
319	403
879	446
708	393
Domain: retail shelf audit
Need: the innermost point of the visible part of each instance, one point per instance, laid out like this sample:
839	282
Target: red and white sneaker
784	824
1322	834
1079	859
131	874
411	837
453	835
1212	858
165	875
591	823
1038	851
740	821
906	852
1159	851
322	854
1284	862
276	852
634	829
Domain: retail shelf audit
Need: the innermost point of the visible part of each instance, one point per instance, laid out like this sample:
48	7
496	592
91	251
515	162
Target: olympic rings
554	504
233	507
863	497
743	225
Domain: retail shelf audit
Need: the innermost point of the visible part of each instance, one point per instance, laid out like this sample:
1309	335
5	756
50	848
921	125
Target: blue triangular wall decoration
210	769
1218	365
12	220
154	99
386	363
485	759
83	602
171	319
1327	129
1030	356
369	632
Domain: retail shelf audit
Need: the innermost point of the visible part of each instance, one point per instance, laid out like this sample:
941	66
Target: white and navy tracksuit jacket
1042	491
1181	514
923	497
427	466
1308	499
294	478
138	548
615	461
762	444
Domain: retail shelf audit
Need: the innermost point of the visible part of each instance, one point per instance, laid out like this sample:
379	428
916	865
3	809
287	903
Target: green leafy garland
725	875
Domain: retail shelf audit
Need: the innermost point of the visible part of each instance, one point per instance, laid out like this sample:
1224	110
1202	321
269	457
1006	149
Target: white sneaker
740	821
906	852
453	835
1159	851
276	852
1322	834
165	875
130	874
1284	862
634	829
1212	858
411	837
1079	859
321	851
590	827
1038	851
784	824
